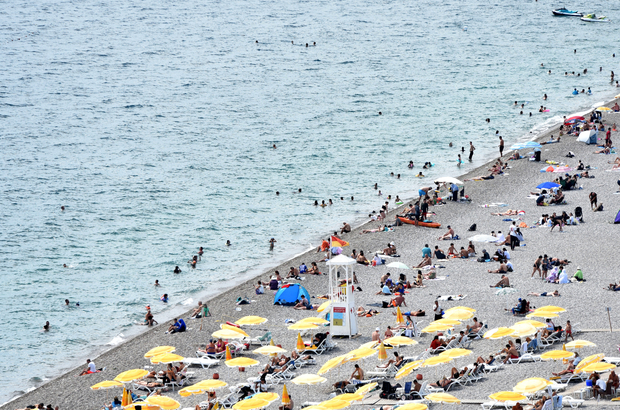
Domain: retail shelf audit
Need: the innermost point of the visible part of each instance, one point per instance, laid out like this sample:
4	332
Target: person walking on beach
471	150
501	146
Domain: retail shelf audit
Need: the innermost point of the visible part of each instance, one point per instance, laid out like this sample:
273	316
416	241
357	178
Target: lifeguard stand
343	317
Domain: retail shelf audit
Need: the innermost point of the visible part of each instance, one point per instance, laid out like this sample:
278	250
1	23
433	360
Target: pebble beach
590	245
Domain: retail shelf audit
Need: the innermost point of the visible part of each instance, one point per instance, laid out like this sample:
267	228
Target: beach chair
460	381
205	362
229	400
262	340
319	350
384	372
569	401
478	335
612	360
235	348
524	355
548	405
210	356
465	342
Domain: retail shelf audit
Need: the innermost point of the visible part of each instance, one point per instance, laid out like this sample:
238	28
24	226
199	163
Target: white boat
592	18
565	12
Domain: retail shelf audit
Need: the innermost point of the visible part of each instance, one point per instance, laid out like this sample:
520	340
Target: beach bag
472	228
385	304
216	376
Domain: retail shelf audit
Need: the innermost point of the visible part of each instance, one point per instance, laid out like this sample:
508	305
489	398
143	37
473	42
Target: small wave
117	340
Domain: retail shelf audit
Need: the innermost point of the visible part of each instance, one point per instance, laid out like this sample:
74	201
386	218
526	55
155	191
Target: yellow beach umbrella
523	330
461	308
317	407
399	316
227	334
507	396
369	345
202	386
442	398
270	397
399	341
268	350
250	404
413	406
407	369
535	323
159	350
228	355
308	379
542	313
314	320
300	343
241	362
365	389
251	321
382	353
332	364
436	328
166	358
359	354
324	306
556	355
458	314
350	397
449	322
165	402
498	333
303	326
334	404
598	367
594	358
603	109
234	329
531	385
131	375
106	384
455	353
435	360
286	399
579	344
142	405
552	309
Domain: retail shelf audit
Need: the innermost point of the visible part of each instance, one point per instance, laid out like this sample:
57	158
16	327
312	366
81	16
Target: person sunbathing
361	259
606	150
571	366
448	235
220	346
314	269
149	385
397	361
425	262
502	269
210	349
507	213
553	294
503	283
452	250
511	353
463	253
475	327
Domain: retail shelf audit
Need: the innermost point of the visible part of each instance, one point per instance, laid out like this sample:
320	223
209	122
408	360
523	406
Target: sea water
154	124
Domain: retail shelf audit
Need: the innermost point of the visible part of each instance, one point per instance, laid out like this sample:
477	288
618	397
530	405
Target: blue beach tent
289	294
617	220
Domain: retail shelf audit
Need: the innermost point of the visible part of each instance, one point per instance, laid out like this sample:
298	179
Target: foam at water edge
117	340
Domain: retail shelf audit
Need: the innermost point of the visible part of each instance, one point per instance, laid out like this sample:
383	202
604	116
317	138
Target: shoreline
144	336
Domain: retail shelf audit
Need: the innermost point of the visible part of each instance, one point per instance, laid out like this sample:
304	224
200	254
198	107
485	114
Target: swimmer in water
462	149
323	204
193	261
200	252
521	113
156	283
380	113
545	97
376	186
458	163
342	198
450	145
549	72
516	103
397	199
410	164
272	243
316	203
277	192
164	298
330	201
420	175
274	146
64	265
379	193
46	327
522	106
177	269
228	242
299	190
66	302
62	208
398	176
351	198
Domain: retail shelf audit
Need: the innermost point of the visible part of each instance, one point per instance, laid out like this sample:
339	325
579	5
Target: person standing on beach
501	146
471	150
458	163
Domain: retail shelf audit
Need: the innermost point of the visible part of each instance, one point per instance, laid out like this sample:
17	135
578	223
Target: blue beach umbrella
548	185
524	145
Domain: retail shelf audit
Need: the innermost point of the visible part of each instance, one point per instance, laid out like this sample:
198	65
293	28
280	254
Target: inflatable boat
594	19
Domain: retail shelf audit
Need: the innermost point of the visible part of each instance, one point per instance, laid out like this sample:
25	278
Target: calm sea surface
154	124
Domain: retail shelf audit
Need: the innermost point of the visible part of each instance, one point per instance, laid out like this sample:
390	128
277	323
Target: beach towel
452	297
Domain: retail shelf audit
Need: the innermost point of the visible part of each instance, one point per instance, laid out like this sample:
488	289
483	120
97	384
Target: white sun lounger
200	361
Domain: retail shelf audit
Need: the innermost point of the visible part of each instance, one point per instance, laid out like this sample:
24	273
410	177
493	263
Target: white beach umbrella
448	180
397	265
483	238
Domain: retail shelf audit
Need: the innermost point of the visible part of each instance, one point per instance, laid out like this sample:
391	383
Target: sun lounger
612	360
320	349
571	401
524	355
384	372
205	362
262	340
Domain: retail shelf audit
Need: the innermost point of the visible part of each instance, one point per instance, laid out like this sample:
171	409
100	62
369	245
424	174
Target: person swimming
164	298
410	165
420	175
228	242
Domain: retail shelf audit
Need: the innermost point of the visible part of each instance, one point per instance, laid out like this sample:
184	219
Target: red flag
339	243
